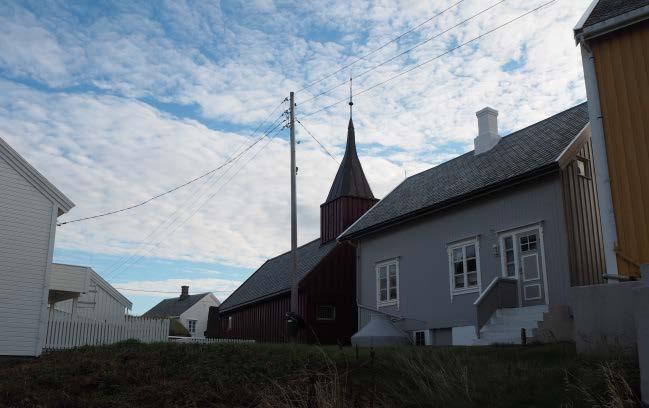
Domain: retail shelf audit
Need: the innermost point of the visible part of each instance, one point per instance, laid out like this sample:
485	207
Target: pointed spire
351	103
350	179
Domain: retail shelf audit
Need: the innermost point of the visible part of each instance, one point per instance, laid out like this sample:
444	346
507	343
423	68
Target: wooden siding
586	249
332	282
264	321
199	312
621	64
337	215
26	227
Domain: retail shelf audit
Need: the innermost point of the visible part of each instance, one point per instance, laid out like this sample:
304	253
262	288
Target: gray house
473	250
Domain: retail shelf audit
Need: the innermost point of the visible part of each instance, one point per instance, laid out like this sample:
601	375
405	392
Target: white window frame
189	326
387	264
229	323
451	269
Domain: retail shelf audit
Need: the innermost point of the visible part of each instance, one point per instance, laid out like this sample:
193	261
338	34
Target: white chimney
487	130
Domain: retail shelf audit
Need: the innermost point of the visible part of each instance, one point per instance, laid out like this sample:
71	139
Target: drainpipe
607	216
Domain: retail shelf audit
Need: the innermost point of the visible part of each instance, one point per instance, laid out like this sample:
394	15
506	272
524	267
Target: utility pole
294	280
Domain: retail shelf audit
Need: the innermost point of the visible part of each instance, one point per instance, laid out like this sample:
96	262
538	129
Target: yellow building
614	40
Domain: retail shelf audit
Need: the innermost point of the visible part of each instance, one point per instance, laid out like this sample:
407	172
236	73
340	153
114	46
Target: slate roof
350	180
521	153
606	9
175	306
273	276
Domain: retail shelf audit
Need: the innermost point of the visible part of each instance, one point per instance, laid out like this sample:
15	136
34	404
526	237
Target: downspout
604	198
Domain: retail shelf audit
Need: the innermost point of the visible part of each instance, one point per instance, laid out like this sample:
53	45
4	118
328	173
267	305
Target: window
420	338
192	326
510	258
463	265
387	277
229	322
528	243
326	312
583	167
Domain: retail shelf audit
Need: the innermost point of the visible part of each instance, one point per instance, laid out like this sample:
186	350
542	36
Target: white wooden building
80	291
191	310
29	207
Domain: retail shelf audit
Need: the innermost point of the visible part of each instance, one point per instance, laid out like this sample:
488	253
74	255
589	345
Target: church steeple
350	194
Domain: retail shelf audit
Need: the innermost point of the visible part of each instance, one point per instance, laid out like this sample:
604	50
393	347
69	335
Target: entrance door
521	259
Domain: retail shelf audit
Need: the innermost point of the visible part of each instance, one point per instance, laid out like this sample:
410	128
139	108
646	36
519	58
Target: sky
117	101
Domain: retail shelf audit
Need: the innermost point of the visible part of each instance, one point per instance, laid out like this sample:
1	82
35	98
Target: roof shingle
174	307
519	153
273	276
606	9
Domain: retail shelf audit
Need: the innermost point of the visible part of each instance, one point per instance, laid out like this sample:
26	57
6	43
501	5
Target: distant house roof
273	278
174	307
604	16
39	181
523	154
350	179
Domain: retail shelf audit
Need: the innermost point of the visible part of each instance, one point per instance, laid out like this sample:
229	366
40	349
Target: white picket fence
65	331
201	340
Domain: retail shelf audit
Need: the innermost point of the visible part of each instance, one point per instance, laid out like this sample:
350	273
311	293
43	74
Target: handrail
490	287
484	311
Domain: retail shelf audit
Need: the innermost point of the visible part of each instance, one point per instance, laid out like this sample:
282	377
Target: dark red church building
326	269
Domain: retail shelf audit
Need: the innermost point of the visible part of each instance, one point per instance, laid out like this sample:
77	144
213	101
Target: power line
163	291
202	176
433	59
118	267
196	196
419	44
397	38
314	138
121	268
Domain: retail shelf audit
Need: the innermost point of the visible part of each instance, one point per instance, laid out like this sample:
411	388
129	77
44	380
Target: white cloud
106	149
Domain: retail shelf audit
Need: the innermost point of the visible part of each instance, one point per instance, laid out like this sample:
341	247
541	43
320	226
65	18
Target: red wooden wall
332	282
337	215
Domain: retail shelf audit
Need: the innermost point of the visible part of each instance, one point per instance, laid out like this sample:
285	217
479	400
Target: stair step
505	325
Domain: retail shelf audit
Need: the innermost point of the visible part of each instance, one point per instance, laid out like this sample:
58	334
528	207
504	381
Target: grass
256	375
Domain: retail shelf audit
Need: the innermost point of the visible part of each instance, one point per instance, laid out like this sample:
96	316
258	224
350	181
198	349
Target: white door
521	260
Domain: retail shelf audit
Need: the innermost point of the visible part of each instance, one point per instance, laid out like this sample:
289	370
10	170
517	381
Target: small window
387	288
420	338
510	261
229	322
326	312
582	167
192	326
463	264
528	243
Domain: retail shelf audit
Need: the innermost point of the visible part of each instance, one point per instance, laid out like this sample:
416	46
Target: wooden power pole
294	280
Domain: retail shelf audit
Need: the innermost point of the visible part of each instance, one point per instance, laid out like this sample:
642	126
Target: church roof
350	180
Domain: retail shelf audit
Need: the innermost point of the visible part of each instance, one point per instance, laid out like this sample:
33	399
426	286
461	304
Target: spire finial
350	95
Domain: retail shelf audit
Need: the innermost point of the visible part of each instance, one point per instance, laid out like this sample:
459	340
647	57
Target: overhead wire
197	194
434	58
374	51
317	141
121	268
419	44
178	187
170	221
164	291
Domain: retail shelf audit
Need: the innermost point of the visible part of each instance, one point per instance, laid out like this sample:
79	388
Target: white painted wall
199	312
97	299
27	225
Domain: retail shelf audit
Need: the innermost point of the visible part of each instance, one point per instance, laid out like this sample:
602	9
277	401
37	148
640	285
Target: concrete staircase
505	325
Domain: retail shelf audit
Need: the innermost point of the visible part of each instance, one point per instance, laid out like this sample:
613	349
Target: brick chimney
184	292
487	131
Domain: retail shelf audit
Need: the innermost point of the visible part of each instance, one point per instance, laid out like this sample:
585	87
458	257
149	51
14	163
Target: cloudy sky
115	102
